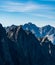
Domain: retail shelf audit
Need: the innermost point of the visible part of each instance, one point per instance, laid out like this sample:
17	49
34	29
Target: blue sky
39	12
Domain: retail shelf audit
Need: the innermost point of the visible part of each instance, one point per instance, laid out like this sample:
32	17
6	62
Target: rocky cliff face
41	31
21	47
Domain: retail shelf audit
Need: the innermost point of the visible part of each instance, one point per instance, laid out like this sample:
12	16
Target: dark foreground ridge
21	47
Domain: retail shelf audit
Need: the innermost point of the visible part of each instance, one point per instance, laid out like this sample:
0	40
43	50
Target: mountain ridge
45	31
21	47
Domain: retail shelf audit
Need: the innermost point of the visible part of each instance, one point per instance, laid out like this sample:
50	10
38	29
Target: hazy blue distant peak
41	32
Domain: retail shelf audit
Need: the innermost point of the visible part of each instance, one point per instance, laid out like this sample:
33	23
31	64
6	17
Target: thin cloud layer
23	7
17	7
31	10
44	16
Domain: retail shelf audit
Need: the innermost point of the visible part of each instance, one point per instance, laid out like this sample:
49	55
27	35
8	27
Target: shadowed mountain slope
21	47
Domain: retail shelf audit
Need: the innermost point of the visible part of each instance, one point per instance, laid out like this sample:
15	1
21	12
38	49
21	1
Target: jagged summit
39	32
48	26
22	47
29	23
33	28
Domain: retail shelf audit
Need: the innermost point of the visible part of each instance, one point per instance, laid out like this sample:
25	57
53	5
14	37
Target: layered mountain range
20	45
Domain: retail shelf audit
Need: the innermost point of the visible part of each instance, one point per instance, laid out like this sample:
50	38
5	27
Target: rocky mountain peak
22	47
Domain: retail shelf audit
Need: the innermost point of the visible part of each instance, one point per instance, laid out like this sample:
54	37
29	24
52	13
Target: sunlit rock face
27	46
21	50
41	31
7	49
37	31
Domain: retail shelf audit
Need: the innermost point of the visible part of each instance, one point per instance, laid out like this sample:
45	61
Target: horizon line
28	23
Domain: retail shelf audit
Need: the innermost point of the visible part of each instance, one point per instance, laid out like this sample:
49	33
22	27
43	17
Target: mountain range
45	31
26	45
40	32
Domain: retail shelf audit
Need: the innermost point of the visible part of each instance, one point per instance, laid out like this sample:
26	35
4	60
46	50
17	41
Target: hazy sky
39	12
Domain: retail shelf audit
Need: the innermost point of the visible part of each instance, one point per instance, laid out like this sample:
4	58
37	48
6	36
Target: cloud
22	7
28	7
45	16
17	7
